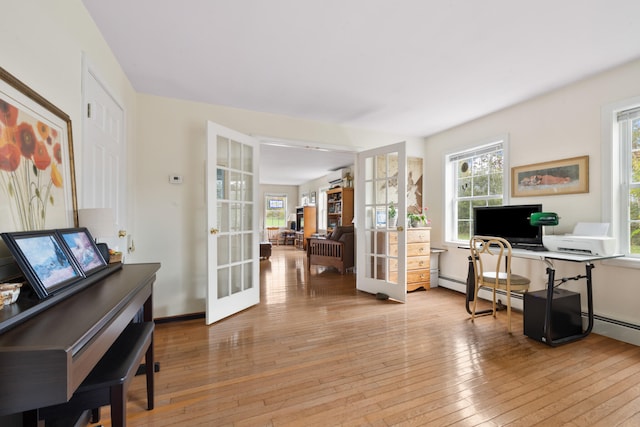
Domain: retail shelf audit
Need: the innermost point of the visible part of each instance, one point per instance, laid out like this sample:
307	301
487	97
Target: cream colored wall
564	123
43	46
170	219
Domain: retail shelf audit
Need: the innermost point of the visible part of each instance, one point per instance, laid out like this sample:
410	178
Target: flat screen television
511	222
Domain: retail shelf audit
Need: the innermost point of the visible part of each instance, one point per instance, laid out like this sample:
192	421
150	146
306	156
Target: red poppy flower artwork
30	161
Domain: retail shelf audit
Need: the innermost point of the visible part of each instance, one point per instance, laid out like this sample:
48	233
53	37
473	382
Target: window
474	177
629	143
275	210
322	209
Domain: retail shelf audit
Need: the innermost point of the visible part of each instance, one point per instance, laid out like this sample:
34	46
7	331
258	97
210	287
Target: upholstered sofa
336	250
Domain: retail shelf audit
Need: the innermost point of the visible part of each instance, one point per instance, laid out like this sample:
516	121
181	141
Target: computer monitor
510	222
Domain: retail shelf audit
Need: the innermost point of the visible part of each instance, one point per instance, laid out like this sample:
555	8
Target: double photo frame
53	260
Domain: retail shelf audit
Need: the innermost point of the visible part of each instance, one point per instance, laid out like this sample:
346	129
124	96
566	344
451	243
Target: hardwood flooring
316	352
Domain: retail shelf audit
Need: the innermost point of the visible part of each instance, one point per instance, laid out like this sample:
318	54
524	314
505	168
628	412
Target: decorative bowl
10	292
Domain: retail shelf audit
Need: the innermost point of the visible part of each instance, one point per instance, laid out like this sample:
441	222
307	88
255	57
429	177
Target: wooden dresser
418	258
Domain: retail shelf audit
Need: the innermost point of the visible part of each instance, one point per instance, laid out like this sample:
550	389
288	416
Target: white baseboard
608	327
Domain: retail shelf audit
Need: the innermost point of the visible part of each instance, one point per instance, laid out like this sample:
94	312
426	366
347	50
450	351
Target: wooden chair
337	250
491	259
274	235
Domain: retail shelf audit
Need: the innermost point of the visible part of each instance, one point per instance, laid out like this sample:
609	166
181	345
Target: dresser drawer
417	249
419	276
418	235
413	235
413	263
415	278
418	262
413	249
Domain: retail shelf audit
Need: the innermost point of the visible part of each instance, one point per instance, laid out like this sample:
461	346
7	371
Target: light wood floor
316	352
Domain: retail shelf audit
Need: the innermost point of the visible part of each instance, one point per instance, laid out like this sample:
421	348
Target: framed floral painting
37	177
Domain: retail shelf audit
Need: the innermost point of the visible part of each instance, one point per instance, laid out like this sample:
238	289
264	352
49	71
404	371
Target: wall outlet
175	179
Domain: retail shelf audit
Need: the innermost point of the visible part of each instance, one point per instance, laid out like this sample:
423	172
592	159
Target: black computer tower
566	319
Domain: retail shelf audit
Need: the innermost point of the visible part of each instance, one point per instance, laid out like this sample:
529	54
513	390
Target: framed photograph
381	218
312	200
81	245
37	177
565	176
44	260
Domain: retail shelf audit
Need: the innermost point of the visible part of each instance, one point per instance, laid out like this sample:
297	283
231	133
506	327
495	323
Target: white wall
561	124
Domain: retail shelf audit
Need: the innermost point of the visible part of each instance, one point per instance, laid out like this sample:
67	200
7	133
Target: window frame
321	203
615	164
450	180
267	198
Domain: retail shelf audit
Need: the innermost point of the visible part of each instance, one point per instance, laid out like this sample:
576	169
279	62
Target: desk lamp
543	218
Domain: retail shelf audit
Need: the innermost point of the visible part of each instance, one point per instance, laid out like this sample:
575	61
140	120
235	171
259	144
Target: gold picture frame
566	176
37	174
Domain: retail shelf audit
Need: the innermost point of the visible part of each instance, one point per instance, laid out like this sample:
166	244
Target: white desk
548	257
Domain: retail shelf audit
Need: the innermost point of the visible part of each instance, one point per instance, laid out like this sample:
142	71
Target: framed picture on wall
37	179
566	176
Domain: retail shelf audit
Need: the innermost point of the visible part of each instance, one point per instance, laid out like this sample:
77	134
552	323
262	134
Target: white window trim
611	210
449	214
285	196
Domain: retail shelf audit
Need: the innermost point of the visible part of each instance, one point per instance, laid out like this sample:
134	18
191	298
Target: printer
588	238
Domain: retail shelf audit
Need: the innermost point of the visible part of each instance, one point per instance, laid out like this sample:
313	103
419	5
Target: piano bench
107	383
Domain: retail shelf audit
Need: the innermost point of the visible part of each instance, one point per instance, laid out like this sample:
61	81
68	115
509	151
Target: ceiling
408	67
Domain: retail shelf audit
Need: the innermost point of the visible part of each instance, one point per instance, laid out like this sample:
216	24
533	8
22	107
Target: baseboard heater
612	328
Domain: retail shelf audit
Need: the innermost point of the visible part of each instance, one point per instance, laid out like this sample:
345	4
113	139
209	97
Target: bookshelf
339	207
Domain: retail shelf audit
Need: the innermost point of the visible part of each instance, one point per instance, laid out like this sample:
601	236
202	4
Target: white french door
232	220
381	251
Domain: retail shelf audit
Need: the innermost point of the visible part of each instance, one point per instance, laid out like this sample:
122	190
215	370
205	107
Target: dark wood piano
45	357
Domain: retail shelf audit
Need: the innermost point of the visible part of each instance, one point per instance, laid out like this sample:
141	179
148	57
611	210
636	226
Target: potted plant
418	219
393	215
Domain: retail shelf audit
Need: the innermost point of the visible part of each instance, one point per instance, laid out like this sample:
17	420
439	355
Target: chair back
492	264
273	234
491	258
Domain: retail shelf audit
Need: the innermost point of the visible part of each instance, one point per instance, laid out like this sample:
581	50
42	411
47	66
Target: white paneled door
381	242
232	222
104	154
